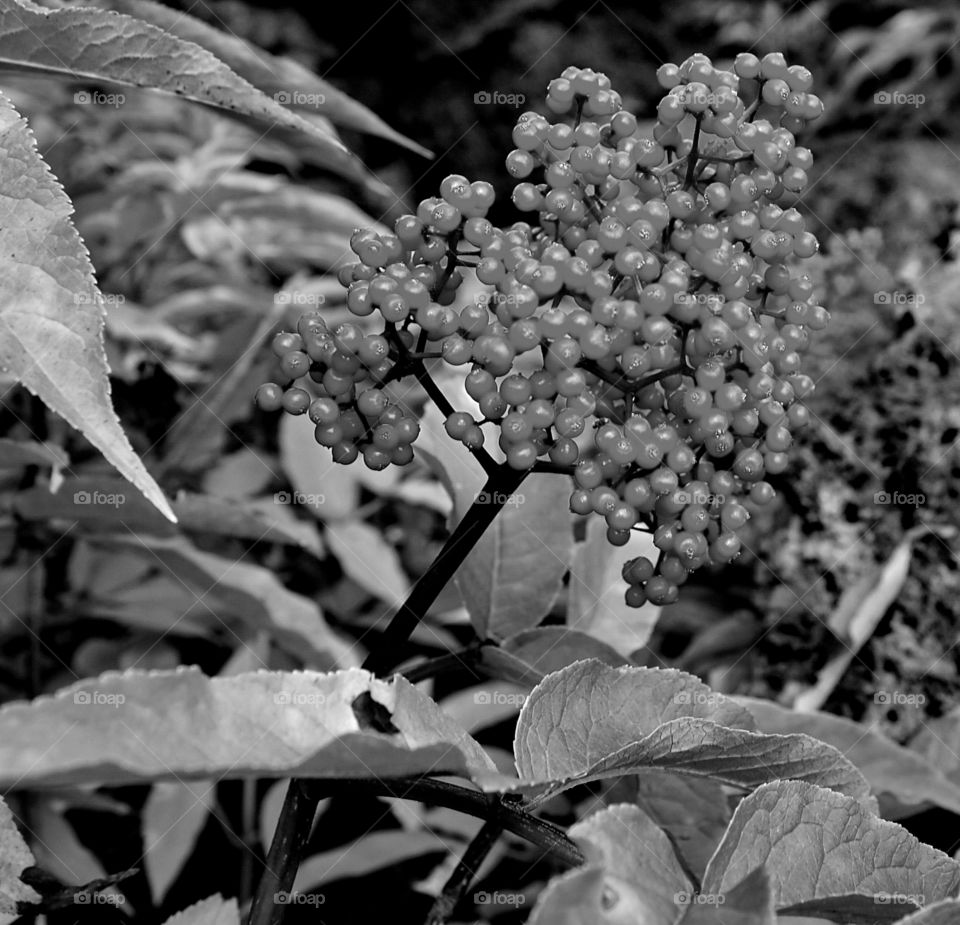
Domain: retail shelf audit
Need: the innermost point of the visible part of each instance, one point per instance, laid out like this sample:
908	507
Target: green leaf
171	820
590	721
597	606
136	726
280	78
367	558
51	312
692	811
904	775
511	578
638	860
248	593
214	910
90	45
821	845
15	857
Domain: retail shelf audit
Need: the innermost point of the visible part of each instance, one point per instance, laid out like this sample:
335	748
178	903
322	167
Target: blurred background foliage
208	236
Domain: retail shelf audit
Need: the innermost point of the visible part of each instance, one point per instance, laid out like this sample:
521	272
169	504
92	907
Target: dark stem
500	484
456	887
289	839
694	152
449	662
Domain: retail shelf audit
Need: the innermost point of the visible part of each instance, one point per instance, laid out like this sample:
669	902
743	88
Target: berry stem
467	658
459	882
542	465
500	484
694	154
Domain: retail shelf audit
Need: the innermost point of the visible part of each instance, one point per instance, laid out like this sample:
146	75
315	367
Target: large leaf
825	852
51	312
280	78
549	648
597	590
369	560
750	902
512	576
97	46
590	721
15	857
906	776
942	913
136	726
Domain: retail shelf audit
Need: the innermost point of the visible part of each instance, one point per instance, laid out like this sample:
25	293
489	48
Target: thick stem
293	830
500	484
456	887
447	663
694	153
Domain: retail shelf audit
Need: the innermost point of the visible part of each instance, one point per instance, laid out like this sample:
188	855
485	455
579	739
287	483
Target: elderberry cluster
656	285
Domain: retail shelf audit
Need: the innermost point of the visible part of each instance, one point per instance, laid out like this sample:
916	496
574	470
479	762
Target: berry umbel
657	292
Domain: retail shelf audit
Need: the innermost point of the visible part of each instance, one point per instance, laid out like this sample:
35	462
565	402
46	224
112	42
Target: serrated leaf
171	820
15	857
899	772
98	46
181	724
51	312
214	910
590	721
819	845
597	606
367	558
277	77
750	902
512	576
549	648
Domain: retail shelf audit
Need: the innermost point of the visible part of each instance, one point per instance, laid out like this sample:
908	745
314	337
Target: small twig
463	875
694	152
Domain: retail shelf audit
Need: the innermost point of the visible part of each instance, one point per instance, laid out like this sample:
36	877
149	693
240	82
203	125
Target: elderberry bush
659	283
